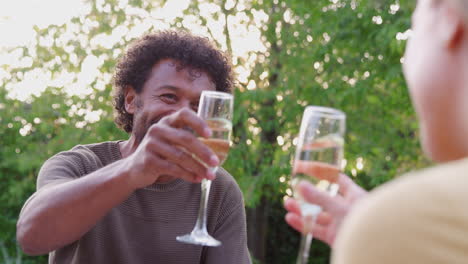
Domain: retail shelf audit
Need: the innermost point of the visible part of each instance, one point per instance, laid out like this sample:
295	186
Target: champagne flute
319	154
216	108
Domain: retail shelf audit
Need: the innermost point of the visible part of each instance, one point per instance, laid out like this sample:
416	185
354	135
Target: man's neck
129	146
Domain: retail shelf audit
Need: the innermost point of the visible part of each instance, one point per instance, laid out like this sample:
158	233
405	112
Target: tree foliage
343	54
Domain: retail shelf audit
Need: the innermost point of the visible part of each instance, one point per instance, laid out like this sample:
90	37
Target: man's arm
61	213
65	208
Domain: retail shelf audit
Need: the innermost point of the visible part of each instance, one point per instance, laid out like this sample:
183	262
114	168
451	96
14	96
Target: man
421	217
126	201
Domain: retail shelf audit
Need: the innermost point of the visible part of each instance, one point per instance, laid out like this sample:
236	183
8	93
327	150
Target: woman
421	217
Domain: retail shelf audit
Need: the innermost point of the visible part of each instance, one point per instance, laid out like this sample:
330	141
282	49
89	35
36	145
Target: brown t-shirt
143	228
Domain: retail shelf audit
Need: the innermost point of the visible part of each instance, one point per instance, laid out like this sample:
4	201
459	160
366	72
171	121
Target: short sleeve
64	167
67	165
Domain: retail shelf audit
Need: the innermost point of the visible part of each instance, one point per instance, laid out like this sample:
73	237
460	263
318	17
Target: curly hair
134	68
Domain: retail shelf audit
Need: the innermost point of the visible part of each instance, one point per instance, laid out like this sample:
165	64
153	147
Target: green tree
343	54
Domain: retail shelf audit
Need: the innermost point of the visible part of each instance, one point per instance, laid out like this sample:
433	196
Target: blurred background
57	59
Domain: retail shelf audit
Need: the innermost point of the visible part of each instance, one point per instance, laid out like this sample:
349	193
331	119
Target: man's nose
186	104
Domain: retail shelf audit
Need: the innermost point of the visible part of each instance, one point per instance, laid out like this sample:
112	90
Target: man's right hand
334	209
168	148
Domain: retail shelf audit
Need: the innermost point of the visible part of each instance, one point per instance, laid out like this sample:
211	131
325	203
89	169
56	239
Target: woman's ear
130	99
453	27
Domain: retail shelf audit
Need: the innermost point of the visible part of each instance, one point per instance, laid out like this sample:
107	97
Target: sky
19	17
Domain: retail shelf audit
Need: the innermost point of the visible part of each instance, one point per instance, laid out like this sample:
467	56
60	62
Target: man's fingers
183	159
188	118
169	168
186	140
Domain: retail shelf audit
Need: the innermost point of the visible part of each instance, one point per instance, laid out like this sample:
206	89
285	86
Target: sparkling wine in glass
216	108
318	159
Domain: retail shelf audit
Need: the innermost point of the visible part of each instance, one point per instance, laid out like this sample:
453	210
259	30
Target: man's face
166	91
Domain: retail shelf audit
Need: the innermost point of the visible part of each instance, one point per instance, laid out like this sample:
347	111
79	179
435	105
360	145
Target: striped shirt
143	229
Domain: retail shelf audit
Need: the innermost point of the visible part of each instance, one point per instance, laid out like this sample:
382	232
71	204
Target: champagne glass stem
205	193
304	248
199	234
306	238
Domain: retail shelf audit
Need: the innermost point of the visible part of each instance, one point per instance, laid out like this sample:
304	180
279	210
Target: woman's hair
134	68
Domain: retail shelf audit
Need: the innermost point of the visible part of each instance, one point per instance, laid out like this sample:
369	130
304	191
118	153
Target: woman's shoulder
418	212
446	180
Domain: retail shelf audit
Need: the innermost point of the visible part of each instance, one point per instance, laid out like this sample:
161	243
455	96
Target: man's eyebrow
168	87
